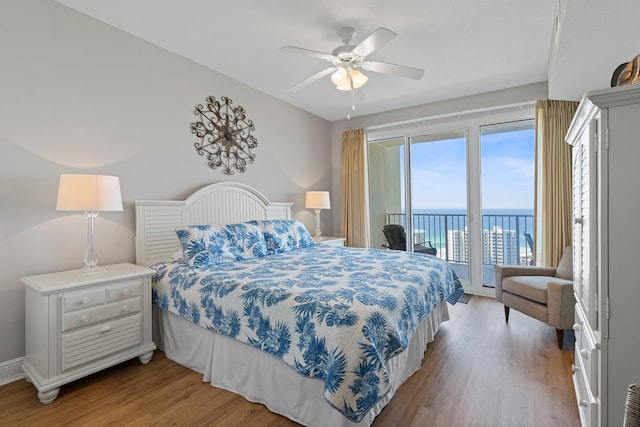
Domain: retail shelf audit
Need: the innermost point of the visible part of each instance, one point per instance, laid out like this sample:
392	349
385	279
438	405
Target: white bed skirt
260	377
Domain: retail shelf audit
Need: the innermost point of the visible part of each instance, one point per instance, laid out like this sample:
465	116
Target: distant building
458	245
500	246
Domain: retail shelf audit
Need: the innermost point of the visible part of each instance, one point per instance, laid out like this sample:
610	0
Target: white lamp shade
317	200
89	193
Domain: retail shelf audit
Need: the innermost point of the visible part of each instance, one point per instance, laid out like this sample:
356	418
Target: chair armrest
502	271
561	305
521	270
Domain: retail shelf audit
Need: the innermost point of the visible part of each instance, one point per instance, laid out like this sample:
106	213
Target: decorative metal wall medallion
225	135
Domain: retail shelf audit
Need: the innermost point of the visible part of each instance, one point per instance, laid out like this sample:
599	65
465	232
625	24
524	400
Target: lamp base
91	257
317	234
91	269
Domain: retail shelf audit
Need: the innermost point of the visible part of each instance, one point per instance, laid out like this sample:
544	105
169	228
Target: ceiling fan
347	59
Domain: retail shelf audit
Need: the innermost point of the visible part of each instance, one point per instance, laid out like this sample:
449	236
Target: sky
507	172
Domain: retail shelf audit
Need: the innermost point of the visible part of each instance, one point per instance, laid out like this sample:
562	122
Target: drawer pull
584	403
577	327
85	318
126	292
126	308
575	368
85	300
105	328
584	353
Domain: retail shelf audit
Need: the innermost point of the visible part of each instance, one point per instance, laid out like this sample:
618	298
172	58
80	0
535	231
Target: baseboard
11	371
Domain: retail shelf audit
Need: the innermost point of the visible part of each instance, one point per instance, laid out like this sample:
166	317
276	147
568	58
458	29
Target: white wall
78	96
594	37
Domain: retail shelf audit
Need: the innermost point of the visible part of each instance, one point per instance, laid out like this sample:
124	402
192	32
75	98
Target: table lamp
91	194
317	200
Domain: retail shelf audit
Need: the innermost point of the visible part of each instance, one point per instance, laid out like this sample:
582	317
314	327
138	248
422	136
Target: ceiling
465	46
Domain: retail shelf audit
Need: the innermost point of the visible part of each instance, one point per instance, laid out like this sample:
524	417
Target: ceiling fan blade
374	41
396	70
309	52
309	80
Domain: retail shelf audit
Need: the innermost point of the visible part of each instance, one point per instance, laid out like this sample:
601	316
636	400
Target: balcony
505	239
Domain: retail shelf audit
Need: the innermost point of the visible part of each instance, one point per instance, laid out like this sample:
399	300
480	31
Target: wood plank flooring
479	371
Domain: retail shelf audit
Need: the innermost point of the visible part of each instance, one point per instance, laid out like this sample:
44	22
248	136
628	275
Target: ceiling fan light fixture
358	79
340	77
344	79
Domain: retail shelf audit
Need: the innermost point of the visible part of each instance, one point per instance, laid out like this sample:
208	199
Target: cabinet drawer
101	313
124	291
586	352
587	403
72	301
92	343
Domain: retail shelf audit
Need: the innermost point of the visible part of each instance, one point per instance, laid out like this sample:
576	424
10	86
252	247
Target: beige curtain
352	198
552	204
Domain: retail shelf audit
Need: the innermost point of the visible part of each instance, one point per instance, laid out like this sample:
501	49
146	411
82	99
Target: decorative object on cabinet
632	406
630	73
544	293
605	152
225	135
77	324
92	194
616	74
317	200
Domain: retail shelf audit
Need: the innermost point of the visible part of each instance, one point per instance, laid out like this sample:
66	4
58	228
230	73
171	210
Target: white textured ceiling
464	46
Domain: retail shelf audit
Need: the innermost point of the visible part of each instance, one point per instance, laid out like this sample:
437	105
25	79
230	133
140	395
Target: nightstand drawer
90	316
92	343
72	301
123	291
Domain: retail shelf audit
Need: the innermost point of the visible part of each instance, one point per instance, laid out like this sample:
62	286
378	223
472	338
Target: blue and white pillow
204	245
249	241
283	235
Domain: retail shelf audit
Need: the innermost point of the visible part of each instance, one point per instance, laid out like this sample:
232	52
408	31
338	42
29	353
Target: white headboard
220	203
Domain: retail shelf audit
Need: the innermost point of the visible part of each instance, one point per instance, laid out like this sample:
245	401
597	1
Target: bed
323	335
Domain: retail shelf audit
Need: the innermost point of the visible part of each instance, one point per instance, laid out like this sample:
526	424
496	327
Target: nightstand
331	241
78	324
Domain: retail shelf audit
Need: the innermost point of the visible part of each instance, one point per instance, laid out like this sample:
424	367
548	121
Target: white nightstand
78	324
330	240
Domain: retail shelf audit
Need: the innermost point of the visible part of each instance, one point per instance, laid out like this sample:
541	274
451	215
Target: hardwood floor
479	371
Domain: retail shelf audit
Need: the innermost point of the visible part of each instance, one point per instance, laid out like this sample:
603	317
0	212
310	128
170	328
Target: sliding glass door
439	196
386	187
507	156
466	191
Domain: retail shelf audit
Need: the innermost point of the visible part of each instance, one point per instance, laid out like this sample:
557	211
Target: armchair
544	293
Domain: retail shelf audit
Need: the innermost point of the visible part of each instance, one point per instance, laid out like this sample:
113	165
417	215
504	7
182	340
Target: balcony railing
506	238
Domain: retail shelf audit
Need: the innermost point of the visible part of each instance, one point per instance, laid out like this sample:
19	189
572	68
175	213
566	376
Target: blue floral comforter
332	313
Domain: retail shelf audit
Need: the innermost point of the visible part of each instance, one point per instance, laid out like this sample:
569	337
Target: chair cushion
565	268
533	288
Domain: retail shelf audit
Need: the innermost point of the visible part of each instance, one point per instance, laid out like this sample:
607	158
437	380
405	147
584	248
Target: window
463	185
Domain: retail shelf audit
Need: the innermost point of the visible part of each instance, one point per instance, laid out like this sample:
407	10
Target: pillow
283	235
249	241
204	245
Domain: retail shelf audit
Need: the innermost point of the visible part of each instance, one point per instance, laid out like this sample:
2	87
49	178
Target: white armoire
605	139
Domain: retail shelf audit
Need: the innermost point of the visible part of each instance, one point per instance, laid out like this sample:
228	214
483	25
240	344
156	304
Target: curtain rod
459	115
